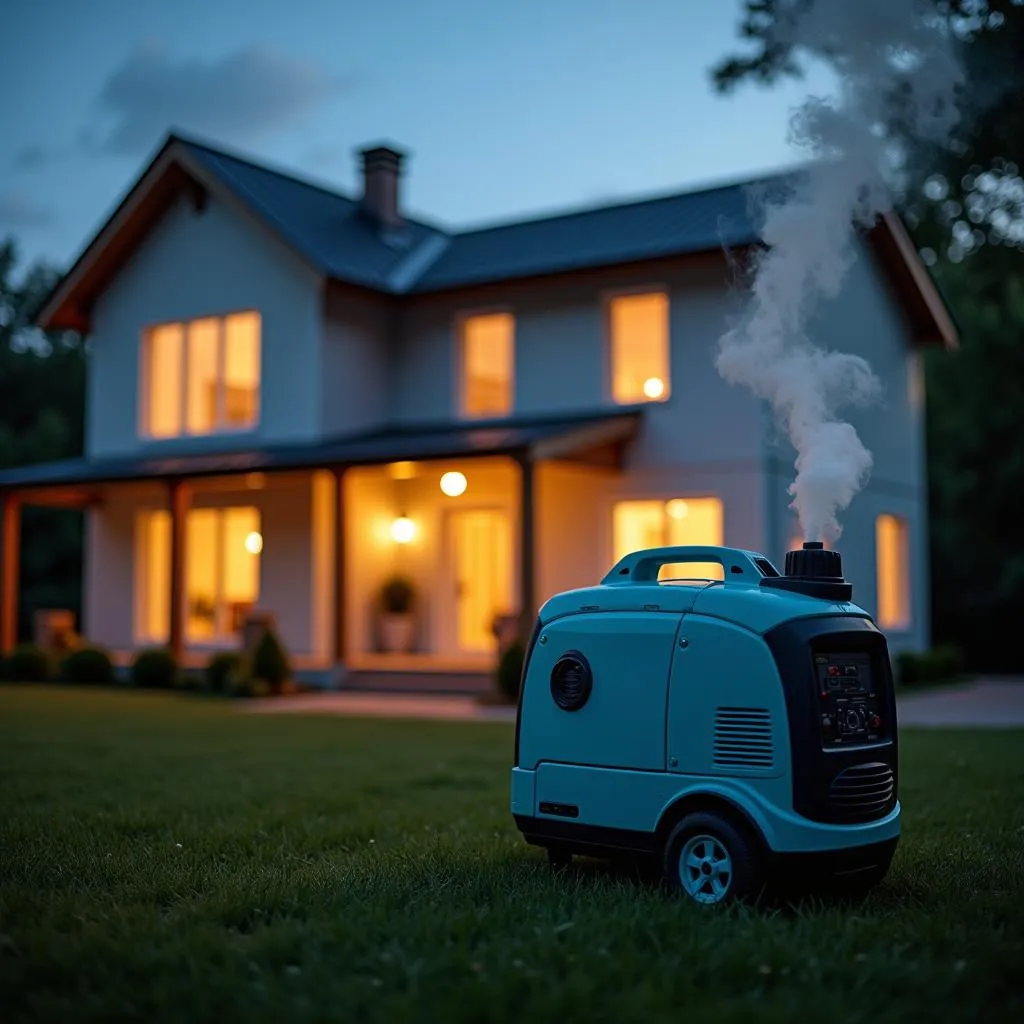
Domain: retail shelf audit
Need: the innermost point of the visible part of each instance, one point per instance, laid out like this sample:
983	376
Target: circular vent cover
571	681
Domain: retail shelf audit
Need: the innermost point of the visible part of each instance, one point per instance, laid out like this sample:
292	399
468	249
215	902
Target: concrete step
465	683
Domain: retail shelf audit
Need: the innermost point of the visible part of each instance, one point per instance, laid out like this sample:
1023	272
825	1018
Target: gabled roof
328	231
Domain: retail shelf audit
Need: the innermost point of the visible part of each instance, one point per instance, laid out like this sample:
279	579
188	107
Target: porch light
403	530
254	543
654	387
453	484
677	509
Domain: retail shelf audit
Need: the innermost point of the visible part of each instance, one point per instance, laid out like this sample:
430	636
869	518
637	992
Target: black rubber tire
558	858
746	880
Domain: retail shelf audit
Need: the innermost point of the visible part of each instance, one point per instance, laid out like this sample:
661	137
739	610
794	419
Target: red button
875	721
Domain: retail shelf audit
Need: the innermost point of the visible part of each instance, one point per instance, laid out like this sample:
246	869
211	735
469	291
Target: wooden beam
527	584
10	545
339	565
177	503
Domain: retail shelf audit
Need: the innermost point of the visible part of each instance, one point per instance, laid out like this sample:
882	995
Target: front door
480	553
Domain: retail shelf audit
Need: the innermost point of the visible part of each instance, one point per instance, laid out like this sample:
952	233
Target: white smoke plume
886	51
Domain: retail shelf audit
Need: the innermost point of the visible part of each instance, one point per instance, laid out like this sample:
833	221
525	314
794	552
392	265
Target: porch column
527	585
10	544
339	564
177	504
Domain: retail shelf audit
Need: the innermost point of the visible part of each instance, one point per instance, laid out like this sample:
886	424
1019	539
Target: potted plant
397	624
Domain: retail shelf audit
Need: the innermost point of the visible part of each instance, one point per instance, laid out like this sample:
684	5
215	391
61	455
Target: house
295	396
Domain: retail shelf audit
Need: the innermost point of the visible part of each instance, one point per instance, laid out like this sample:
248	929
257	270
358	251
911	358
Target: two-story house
295	396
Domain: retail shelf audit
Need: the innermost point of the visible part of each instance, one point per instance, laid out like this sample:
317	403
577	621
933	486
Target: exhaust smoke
894	59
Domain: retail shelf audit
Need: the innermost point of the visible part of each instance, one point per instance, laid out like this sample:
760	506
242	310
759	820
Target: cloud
19	211
244	95
32	158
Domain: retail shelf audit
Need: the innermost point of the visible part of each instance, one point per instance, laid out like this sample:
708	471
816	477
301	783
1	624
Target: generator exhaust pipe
813	571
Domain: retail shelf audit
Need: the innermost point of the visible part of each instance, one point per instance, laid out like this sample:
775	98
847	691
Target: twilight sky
508	109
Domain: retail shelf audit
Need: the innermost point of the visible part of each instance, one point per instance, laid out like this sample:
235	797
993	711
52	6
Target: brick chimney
382	167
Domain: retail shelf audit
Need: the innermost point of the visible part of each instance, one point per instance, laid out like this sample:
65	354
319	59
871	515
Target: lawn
168	859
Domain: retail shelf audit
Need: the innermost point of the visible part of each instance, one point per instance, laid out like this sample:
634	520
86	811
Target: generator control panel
849	709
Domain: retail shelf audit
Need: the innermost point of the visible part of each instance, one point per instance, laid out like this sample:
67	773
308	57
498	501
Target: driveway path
986	703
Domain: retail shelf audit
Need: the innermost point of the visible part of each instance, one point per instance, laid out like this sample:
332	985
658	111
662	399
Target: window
487	364
639	332
222	573
681	521
153	577
892	555
202	376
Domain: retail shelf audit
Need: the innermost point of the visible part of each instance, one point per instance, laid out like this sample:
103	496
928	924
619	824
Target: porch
180	552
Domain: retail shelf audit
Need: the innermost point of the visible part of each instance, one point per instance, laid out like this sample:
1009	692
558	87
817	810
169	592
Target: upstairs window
202	376
892	564
639	335
487	363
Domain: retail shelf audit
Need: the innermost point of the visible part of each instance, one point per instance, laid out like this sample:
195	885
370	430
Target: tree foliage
42	406
964	205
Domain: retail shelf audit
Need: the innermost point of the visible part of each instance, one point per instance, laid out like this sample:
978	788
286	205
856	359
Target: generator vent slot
863	792
743	738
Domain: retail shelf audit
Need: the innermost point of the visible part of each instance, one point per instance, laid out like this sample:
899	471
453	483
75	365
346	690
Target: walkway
986	703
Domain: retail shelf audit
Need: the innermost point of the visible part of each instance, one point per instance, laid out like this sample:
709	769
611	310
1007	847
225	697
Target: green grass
171	859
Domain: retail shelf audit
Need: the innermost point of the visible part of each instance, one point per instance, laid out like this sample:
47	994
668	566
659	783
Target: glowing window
202	376
677	522
639	330
222	571
892	554
488	364
153	577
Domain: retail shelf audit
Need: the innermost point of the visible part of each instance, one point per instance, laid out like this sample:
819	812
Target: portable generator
729	728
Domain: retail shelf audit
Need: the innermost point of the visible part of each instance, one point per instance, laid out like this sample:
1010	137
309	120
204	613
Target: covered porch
180	552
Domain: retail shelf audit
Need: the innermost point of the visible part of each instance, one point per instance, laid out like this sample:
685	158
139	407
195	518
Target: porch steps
464	683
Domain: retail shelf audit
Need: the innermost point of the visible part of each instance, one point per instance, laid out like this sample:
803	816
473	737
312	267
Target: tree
42	411
964	205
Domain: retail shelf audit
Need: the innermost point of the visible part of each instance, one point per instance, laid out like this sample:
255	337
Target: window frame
144	385
608	297
460	320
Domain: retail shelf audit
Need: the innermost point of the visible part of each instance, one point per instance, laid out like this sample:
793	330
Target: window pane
241	370
639	348
893	571
637	525
240	561
201	543
163	384
697	522
153	577
203	342
488	358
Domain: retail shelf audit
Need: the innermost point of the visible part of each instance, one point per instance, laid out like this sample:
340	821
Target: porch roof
567	436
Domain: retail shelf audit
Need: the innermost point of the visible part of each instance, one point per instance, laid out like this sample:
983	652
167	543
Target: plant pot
397	632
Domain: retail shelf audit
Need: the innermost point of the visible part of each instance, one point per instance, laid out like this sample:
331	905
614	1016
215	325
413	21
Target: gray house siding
194	265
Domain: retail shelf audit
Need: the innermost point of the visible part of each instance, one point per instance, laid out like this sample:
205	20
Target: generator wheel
712	861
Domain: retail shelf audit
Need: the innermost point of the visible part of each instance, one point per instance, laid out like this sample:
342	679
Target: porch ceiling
597	438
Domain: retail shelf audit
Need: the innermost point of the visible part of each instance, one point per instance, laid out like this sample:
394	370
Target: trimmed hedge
155	669
940	665
27	663
88	665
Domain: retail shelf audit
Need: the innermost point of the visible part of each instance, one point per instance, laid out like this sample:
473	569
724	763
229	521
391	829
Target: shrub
397	596
190	679
939	665
154	669
270	661
220	669
27	663
90	665
510	671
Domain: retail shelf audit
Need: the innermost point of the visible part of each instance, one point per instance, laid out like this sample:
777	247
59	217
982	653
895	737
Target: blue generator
730	728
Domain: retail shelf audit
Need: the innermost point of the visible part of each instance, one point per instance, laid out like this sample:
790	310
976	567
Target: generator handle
644	566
